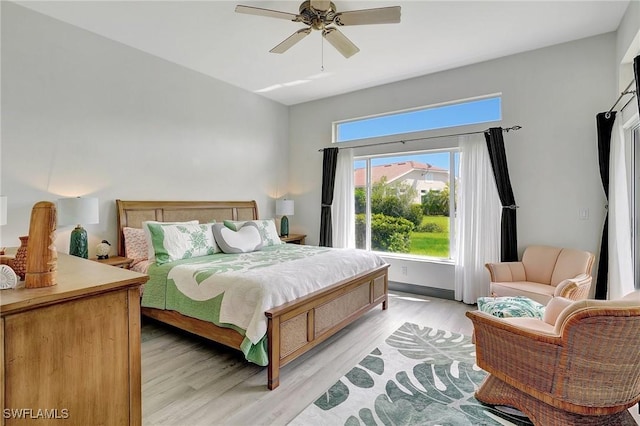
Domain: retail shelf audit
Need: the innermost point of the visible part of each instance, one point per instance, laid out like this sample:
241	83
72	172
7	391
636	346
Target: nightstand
294	239
117	261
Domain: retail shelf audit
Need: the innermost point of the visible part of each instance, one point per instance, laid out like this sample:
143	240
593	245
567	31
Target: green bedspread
161	292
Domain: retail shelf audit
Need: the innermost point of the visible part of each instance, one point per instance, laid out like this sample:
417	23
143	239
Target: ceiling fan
319	15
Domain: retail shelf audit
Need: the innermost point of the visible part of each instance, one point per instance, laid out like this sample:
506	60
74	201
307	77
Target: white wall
554	93
627	48
83	115
628	42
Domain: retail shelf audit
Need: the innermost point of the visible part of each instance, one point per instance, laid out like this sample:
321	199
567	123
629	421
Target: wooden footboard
298	326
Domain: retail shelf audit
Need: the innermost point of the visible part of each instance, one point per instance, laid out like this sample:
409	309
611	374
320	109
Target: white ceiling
209	37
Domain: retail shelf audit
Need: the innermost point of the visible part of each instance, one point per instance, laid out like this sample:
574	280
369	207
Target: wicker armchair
545	272
580	365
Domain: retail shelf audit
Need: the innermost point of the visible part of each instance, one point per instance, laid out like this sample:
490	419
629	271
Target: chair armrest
574	288
506	271
554	308
489	321
516	355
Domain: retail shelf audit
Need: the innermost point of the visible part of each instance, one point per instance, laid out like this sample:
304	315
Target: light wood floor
187	380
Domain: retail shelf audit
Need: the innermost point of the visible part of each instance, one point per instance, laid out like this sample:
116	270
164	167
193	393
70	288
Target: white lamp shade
284	207
3	210
77	211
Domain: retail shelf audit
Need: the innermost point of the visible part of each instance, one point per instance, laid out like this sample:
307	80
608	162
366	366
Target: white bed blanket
251	292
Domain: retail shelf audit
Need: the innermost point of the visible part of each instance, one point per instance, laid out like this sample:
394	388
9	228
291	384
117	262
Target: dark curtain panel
329	162
509	237
636	70
604	125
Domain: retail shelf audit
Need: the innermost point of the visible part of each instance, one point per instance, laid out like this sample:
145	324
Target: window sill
415	258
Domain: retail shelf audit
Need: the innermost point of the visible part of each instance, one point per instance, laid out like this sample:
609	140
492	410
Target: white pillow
151	256
181	241
244	240
266	227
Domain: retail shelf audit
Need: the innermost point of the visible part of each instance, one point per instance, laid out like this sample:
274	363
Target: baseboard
440	293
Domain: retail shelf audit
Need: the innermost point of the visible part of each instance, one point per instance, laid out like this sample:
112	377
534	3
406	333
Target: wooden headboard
133	213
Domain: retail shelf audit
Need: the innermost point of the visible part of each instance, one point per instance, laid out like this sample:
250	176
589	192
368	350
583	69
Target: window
406	202
399	210
428	118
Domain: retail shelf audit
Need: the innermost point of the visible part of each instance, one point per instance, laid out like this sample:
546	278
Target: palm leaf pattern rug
418	376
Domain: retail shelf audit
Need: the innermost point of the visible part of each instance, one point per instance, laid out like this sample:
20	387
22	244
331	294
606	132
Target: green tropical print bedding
161	292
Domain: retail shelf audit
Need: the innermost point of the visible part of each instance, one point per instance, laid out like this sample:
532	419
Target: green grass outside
434	244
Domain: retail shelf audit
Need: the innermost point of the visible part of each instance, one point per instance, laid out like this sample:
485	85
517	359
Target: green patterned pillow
266	227
181	241
510	307
151	256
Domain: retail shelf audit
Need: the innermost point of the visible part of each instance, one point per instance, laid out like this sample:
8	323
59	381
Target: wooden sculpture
42	257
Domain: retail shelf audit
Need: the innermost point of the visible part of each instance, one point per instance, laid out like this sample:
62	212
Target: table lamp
284	208
76	211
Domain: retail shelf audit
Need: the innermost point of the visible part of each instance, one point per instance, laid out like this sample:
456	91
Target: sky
472	112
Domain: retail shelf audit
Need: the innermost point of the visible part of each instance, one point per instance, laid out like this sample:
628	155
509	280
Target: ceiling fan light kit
319	15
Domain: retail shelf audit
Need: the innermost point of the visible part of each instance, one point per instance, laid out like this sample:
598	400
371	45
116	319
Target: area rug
418	376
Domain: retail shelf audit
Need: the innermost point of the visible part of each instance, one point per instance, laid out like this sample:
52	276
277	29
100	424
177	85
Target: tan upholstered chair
545	272
579	365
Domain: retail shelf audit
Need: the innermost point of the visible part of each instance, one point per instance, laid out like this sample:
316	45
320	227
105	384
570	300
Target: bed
292	328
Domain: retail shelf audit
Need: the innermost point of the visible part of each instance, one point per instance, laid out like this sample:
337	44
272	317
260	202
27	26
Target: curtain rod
622	94
506	129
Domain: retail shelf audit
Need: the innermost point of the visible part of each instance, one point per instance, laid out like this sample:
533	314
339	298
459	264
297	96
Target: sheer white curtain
343	208
620	249
477	221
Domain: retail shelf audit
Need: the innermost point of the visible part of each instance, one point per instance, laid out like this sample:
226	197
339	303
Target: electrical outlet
404	270
583	214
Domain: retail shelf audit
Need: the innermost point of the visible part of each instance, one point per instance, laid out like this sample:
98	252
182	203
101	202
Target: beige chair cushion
533	324
539	262
634	296
541	293
569	264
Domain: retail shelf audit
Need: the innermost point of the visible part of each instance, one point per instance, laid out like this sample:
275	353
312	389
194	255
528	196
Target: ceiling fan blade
382	15
340	42
322	5
291	40
249	10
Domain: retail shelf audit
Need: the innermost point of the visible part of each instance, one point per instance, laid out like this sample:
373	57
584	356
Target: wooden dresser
70	353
